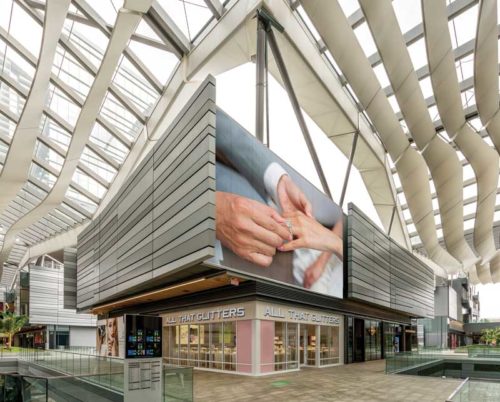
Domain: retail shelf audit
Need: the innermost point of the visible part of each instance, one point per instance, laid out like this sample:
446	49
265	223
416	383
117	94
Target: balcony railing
476	390
82	364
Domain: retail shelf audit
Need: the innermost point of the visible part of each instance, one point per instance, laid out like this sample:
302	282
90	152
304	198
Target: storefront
373	339
253	338
31	337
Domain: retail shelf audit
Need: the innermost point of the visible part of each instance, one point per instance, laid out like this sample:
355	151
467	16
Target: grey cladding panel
47	297
163	218
69	278
379	271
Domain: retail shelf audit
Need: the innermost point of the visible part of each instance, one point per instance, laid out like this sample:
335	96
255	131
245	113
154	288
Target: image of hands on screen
250	229
269	216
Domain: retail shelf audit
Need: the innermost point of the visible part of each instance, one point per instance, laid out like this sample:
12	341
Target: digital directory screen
143	336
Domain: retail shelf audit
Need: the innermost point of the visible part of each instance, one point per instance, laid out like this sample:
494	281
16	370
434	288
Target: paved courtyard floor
360	382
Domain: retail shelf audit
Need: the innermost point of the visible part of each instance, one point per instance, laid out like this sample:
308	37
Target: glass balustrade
73	371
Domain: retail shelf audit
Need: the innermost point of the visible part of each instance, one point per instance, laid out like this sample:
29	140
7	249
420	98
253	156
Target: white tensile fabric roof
87	86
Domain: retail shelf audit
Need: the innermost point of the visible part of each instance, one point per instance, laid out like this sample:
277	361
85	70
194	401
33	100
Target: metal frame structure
65	184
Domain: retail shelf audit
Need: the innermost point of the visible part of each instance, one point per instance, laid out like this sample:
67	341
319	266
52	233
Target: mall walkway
360	382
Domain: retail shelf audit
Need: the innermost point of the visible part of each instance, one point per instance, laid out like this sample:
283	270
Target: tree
491	336
11	324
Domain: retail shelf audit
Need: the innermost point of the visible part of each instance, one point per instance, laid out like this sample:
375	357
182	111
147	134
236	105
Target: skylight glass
381	74
72	72
47	155
90	41
418	54
349	6
24	29
120	117
108	143
62	105
365	39
159	62
3	152
55	133
7	126
43	175
463	27
470	208
408	13
89	184
15	67
11	100
465	67
426	87
106	9
97	165
83	201
190	15
135	87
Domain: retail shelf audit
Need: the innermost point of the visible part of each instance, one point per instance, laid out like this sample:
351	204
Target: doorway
359	340
307	345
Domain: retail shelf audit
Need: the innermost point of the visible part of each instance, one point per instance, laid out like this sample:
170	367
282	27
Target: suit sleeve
248	156
263	169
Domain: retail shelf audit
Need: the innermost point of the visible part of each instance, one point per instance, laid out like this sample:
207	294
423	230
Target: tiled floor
360	382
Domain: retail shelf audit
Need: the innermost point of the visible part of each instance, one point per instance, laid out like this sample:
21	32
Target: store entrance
308	345
359	340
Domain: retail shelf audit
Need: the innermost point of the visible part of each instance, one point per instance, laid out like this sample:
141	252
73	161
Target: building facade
40	295
456	304
155	249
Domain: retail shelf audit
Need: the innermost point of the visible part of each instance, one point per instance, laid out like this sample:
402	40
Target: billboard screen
271	221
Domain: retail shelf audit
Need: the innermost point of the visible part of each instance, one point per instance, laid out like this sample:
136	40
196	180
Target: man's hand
250	229
291	198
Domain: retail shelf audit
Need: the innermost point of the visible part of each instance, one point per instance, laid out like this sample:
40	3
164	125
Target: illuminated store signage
228	313
299	315
253	310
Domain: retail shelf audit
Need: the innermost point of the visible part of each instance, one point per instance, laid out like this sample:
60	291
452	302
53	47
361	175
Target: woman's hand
313	272
309	233
250	229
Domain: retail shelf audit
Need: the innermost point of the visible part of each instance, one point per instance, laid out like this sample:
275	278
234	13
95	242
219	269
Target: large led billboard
270	221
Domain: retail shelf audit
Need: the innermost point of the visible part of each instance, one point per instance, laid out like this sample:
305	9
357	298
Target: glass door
307	349
302	345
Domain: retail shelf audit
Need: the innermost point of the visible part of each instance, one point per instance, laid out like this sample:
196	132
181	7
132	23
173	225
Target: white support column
256	347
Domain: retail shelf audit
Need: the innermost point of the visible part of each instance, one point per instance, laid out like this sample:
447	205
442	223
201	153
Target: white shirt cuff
272	176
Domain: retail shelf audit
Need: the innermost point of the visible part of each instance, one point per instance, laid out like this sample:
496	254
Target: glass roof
136	87
137	84
462	31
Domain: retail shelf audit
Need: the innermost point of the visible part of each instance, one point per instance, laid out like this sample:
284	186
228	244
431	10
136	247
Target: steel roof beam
439	155
66	43
330	21
66	89
17	163
484	160
126	23
216	8
165	27
92	15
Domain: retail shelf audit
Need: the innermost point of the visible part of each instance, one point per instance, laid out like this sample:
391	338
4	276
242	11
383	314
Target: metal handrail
450	398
